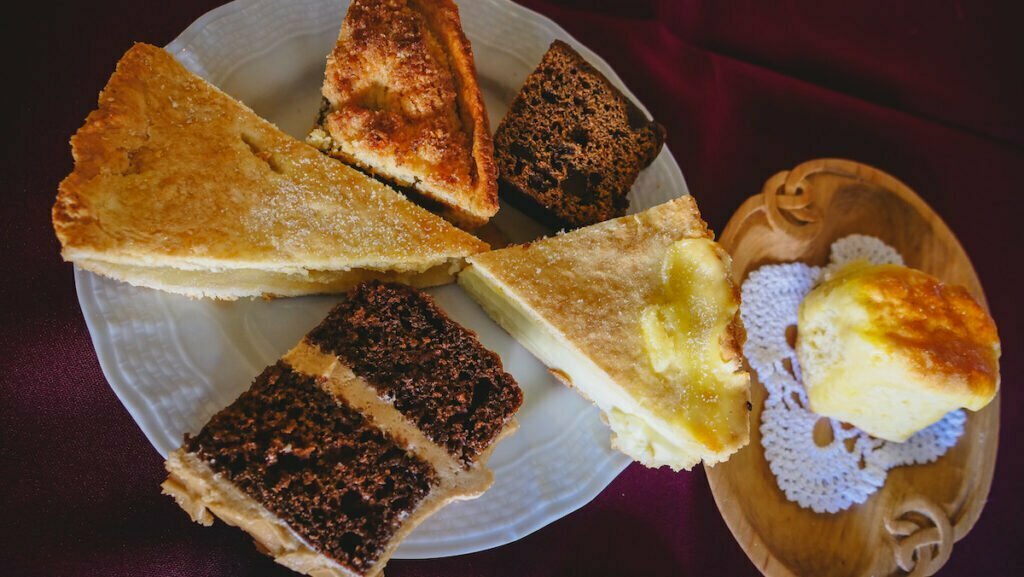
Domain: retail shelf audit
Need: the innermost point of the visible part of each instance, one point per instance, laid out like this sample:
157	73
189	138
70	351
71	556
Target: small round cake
891	349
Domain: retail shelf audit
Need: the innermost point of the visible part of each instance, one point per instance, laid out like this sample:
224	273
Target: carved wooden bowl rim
921	533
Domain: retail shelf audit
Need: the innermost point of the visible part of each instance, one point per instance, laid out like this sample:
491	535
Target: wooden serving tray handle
910	525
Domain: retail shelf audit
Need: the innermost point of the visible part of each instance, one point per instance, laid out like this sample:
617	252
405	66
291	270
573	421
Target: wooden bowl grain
910	525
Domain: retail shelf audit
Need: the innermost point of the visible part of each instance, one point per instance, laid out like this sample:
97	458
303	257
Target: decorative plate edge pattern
101	332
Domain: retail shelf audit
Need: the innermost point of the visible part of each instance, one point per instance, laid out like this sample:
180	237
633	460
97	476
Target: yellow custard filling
682	335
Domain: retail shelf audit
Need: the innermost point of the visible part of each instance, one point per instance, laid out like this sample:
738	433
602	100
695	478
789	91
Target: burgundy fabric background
931	91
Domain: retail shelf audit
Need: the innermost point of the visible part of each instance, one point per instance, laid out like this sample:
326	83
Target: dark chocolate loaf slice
329	460
571	145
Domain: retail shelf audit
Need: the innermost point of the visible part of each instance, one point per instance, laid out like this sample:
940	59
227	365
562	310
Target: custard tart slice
640	315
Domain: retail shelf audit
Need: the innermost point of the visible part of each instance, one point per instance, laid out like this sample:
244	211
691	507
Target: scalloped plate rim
541	514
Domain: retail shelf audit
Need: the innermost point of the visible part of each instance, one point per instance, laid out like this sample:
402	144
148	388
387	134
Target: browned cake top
435	371
940	327
406	105
338	481
404	101
571	145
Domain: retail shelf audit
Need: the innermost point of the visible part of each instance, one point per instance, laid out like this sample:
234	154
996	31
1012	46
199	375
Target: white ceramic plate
174	362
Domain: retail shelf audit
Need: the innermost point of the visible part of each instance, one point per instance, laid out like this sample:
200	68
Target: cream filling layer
341	382
406	262
239	283
203	493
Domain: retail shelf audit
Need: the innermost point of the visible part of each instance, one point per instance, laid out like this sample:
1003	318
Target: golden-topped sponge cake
640	315
179	187
891	349
401	101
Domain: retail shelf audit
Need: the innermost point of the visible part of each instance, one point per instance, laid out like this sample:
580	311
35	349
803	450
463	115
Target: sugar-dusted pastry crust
576	301
171	172
403	102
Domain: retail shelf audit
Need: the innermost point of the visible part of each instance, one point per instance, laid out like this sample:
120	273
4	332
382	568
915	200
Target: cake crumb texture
337	480
571	145
434	371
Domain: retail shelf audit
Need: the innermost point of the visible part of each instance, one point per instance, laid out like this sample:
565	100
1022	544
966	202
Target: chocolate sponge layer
434	371
340	482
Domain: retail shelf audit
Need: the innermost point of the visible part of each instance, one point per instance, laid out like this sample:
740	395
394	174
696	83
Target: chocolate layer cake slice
383	414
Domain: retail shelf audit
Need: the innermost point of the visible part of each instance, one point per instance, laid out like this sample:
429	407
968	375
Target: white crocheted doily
854	465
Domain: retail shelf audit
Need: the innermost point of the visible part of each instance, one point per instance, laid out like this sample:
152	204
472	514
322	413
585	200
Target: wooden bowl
909	525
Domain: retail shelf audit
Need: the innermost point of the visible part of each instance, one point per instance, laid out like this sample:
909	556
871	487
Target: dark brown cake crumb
434	371
336	479
571	145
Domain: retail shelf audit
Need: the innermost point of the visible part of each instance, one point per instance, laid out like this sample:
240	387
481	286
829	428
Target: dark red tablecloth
931	91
